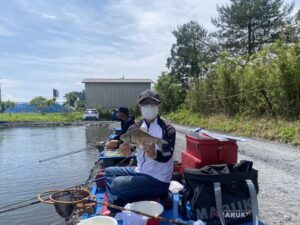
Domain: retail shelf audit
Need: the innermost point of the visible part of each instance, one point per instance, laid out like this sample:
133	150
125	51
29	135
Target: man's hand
149	148
125	149
112	144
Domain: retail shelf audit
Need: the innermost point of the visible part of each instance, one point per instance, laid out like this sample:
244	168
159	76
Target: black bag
222	194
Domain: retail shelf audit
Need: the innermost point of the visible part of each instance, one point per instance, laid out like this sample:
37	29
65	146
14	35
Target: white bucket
150	207
99	220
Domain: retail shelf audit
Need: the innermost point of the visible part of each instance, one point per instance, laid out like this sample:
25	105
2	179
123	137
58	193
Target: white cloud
10	83
6	32
73	41
48	16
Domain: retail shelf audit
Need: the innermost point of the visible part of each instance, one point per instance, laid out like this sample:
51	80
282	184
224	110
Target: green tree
170	92
291	32
267	83
40	102
246	25
6	104
75	99
191	52
51	101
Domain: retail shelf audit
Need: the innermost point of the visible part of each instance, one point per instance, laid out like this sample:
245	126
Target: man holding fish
155	141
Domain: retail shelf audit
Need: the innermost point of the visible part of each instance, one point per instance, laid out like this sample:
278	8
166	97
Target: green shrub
264	127
287	134
39	117
265	84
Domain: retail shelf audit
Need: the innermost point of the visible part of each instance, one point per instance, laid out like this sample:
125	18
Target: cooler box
189	161
228	152
202	150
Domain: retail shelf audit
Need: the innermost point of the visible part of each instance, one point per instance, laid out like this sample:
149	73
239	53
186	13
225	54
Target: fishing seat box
202	150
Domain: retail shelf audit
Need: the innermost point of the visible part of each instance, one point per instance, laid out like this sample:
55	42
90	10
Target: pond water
26	146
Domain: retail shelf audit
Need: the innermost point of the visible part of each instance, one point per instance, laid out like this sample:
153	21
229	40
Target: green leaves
40	102
268	83
75	99
245	26
191	52
170	91
5	104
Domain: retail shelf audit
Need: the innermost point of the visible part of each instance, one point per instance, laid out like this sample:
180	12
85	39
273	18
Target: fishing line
78	185
19	207
163	219
36	202
50	158
17	203
66	154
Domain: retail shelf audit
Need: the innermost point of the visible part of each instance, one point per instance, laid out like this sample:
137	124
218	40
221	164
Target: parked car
90	114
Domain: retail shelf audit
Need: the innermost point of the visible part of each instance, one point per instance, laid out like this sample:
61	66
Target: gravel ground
279	179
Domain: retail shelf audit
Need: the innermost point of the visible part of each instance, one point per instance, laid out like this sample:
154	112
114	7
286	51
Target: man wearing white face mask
152	176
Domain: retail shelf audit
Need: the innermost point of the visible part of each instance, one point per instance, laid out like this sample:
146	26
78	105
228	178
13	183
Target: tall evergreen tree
291	32
190	53
246	25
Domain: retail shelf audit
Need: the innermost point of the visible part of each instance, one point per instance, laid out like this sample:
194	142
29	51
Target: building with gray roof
113	93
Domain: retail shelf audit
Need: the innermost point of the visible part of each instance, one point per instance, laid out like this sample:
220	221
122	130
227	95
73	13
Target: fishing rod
66	154
78	185
36	202
51	158
163	219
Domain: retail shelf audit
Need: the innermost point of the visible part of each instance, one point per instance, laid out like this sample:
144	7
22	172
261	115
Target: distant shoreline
9	124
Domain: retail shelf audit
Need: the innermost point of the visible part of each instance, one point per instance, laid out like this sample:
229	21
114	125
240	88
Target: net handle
48	200
54	201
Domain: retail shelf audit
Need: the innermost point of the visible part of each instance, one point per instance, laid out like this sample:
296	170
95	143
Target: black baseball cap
124	110
149	94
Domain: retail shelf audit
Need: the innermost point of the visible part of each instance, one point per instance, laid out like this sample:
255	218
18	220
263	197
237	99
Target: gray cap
149	94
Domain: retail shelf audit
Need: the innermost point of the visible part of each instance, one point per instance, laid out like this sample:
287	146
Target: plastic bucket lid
99	220
150	207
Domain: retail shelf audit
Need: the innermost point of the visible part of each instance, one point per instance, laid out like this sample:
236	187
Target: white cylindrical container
99	220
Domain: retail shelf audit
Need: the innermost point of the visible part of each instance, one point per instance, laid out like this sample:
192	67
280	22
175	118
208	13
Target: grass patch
41	117
273	129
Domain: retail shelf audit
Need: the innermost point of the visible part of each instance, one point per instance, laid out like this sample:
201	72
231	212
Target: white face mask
149	112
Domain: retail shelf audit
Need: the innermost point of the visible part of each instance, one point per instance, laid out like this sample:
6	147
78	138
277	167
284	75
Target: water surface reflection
20	146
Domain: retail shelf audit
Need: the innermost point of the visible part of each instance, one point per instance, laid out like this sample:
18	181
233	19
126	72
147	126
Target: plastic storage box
202	150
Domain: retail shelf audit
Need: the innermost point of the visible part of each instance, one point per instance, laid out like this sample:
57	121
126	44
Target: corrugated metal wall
113	95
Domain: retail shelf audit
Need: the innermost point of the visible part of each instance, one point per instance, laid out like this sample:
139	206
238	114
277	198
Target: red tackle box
202	150
189	161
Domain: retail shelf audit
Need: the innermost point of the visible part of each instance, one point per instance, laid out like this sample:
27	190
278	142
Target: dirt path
279	177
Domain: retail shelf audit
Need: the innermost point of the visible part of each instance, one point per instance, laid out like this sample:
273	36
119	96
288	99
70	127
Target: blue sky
49	44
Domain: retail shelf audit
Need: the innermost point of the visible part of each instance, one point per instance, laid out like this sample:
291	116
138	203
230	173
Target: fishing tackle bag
221	194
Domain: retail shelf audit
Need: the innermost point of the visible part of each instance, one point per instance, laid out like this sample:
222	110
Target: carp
138	136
